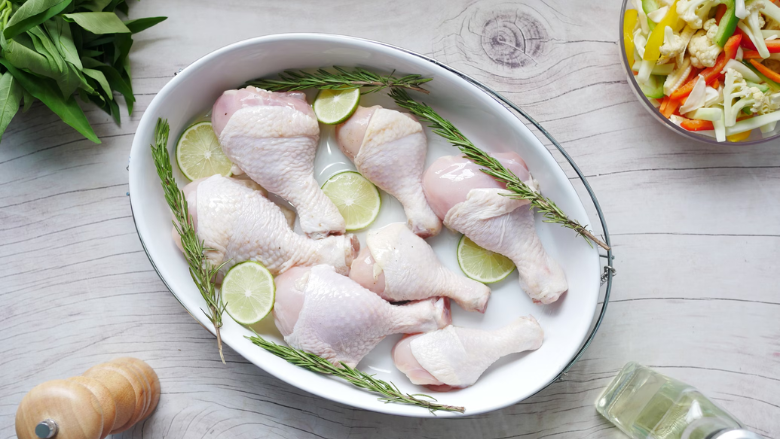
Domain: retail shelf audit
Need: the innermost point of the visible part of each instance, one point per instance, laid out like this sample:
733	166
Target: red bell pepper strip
772	45
746	43
750	54
670	108
711	73
697	125
720	12
766	71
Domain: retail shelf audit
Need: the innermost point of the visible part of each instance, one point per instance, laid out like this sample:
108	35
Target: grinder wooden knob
109	398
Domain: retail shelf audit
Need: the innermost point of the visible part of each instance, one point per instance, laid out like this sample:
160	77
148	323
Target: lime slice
199	154
355	197
482	265
248	292
335	106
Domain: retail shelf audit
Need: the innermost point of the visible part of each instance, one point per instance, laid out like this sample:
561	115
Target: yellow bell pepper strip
629	22
656	38
741	137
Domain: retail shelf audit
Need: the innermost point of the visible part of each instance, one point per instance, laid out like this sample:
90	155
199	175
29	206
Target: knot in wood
513	39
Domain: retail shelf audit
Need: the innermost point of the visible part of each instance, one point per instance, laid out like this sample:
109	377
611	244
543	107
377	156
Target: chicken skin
476	205
453	357
322	312
239	224
273	138
399	265
389	149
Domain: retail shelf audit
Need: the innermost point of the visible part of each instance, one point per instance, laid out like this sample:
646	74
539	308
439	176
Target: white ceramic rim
147	124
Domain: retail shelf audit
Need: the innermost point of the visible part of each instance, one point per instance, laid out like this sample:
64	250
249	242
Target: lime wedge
248	292
335	106
199	154
355	197
482	265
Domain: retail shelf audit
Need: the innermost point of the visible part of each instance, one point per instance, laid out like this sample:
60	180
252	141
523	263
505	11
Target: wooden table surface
696	231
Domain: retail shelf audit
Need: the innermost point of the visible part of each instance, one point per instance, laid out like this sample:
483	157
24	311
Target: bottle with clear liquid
647	405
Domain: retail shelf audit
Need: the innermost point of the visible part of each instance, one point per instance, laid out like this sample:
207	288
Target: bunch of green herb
53	50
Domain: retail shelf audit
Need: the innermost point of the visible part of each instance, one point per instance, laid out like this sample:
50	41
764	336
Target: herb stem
491	166
389	391
201	269
294	80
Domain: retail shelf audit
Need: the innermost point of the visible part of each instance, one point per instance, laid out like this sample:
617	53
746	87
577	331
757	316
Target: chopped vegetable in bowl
711	67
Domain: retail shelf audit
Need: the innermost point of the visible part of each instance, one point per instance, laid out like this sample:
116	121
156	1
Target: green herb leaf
10	95
45	47
28	100
122	45
98	22
119	84
95	5
141	24
22	54
114	107
33	13
46	91
91	53
123	8
59	30
98	76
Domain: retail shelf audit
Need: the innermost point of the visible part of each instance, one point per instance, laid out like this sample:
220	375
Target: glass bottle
647	405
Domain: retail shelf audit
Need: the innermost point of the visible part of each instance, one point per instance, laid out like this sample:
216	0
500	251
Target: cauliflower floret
675	45
704	52
736	88
695	12
764	103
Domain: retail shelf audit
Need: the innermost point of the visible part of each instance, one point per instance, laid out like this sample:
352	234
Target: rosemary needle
491	166
389	391
292	80
201	270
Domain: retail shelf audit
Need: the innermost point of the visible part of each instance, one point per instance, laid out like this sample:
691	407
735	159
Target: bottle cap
737	434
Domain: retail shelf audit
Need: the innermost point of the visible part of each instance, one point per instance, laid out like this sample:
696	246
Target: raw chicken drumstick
273	138
454	357
240	224
399	265
321	312
474	204
389	148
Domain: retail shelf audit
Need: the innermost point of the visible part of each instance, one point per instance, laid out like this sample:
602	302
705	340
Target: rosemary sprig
390	392
292	80
201	270
491	166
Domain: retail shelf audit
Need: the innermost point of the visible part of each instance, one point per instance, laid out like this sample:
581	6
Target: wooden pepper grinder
108	398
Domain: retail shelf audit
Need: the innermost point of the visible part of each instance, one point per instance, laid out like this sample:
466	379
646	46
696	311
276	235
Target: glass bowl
756	137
